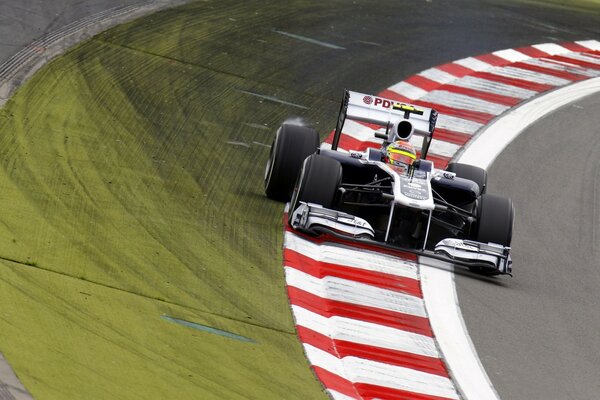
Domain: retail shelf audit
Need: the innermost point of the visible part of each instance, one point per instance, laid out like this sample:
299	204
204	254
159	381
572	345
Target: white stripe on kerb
462	101
503	89
584	57
437	147
347	291
551	48
511	55
437	75
563	66
474	64
442	148
359	370
366	333
457	124
339	396
590	44
407	90
532	76
353	258
500	133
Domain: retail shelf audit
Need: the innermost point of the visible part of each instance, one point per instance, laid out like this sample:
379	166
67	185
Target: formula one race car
367	196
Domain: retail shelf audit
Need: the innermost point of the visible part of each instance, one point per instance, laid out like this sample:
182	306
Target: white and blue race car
444	214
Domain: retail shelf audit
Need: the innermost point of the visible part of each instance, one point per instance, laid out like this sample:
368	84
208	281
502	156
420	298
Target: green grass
122	201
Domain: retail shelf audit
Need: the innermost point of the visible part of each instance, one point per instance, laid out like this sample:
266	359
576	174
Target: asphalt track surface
535	333
21	22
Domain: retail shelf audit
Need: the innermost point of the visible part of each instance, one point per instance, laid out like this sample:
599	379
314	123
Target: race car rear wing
401	120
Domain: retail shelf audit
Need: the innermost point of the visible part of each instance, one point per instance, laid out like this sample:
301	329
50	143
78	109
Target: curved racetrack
545	319
132	193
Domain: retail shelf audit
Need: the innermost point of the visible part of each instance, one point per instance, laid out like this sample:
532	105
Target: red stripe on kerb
364	391
493	60
581	63
373	392
455	69
440	162
447	135
405	255
320	269
342	348
422	82
388	94
553	72
574	47
532	52
333	308
337	383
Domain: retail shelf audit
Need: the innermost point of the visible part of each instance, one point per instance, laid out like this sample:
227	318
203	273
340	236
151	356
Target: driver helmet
400	155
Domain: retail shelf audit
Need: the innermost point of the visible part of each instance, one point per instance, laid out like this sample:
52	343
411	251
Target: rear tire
470	172
495	216
292	144
318	182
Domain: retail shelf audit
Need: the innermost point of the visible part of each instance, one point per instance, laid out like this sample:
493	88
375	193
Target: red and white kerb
359	312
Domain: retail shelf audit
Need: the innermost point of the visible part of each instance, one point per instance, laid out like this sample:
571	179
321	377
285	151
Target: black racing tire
318	181
470	172
495	216
292	144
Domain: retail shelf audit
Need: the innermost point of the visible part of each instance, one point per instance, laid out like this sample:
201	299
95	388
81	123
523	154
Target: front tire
292	144
470	172
317	182
495	216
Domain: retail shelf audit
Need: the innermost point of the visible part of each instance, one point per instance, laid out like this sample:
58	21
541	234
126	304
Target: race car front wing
489	258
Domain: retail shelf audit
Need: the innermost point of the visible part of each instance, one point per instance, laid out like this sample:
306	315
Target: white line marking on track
310	40
437	282
271	98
